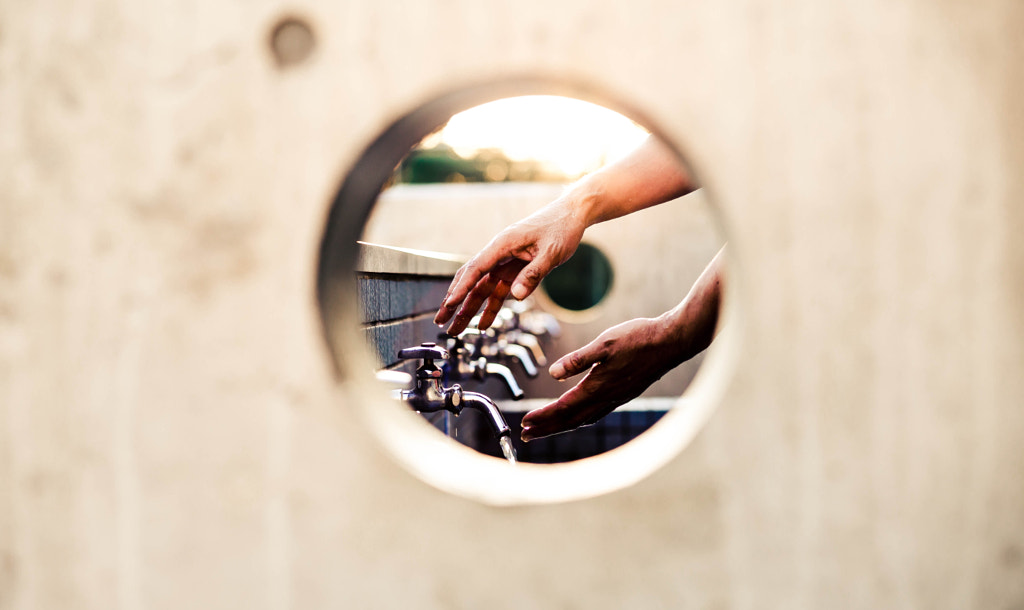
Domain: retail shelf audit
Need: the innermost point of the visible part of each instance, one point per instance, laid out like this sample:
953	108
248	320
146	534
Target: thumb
531	275
577	362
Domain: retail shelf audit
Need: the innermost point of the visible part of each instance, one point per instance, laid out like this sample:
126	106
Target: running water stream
507	449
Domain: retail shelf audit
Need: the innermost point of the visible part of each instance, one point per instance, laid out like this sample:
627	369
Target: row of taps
514	336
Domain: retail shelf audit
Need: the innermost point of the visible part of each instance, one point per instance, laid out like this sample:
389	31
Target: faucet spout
500	370
530	342
520	353
480	402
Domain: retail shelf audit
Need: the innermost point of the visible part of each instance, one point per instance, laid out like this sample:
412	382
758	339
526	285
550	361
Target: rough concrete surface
171	434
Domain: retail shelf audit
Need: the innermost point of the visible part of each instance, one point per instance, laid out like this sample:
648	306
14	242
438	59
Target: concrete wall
171	434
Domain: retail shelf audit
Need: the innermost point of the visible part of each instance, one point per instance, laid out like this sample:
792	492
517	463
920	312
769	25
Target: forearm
649	175
691	325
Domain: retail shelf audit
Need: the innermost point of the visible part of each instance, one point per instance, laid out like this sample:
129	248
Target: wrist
672	336
587	198
687	329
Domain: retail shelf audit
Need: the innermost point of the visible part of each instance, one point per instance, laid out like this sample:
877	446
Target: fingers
579	361
493	287
460	285
577	407
466	278
531	275
573	409
494	304
476	297
564	409
448	306
489	278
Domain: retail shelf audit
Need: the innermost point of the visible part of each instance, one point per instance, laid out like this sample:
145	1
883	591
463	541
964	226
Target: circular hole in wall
418	203
291	41
581	282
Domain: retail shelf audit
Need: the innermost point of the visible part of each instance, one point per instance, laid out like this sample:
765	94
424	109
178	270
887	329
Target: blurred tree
440	163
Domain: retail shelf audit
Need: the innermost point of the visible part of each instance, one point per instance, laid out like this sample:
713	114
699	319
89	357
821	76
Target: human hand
515	262
626	359
621	363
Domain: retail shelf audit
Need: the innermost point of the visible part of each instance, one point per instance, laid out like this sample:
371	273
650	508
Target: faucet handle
501	321
477	337
428	352
470	331
541	323
509	317
454	344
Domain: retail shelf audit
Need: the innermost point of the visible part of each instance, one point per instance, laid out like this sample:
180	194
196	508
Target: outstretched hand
515	262
620	364
626	359
521	256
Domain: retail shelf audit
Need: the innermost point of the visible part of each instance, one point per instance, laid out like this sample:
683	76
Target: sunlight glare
574	136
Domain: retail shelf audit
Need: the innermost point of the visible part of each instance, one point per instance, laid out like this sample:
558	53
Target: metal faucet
520	324
499	341
429	396
462	364
537	323
491	343
528	341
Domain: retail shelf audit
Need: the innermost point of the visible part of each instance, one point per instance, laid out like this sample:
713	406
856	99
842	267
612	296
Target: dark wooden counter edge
375	258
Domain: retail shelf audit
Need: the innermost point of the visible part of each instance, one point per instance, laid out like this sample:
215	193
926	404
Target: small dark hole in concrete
292	41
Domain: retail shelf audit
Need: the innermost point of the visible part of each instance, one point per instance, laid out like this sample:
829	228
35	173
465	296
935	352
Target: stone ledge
375	258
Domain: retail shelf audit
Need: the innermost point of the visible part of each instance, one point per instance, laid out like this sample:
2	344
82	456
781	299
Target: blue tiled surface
385	340
397	311
614	430
393	298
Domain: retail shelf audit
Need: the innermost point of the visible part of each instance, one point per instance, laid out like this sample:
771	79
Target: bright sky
575	136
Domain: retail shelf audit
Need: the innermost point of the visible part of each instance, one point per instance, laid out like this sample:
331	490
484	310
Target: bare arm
649	175
519	257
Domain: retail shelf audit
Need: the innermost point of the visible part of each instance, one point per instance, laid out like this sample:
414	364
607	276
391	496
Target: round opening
410	211
291	41
581	282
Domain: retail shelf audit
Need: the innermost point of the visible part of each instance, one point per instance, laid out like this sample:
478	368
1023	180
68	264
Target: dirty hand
620	364
626	359
515	261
